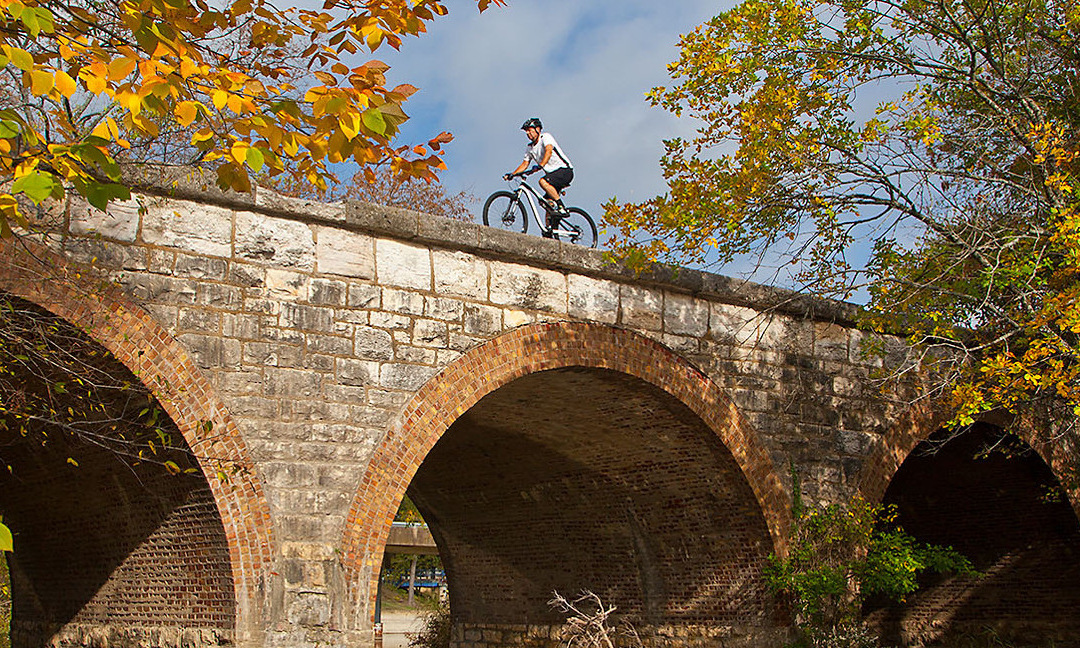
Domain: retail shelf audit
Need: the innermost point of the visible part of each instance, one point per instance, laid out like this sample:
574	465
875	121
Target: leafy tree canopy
252	87
963	183
382	186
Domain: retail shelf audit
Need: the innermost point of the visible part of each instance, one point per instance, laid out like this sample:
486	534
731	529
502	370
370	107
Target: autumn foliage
252	87
921	154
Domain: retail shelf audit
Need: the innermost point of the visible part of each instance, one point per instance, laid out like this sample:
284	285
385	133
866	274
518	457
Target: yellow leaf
65	84
188	68
19	58
350	124
235	104
220	98
239	152
41	82
95	77
107	129
291	146
120	68
186	112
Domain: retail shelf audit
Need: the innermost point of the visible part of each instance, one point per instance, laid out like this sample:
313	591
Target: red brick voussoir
107	316
513	355
921	421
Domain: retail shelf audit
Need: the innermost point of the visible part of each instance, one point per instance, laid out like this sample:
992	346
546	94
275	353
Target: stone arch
135	339
512	356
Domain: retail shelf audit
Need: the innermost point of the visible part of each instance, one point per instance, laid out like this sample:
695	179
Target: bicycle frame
533	199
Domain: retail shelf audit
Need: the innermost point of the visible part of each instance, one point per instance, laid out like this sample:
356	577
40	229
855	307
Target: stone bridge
562	424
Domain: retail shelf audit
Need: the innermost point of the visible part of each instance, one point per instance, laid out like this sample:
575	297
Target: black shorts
560	178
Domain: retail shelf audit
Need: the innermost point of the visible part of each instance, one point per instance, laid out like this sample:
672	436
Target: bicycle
506	208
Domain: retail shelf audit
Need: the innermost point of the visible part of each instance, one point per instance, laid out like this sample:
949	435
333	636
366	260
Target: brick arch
136	340
486	368
991	510
918	423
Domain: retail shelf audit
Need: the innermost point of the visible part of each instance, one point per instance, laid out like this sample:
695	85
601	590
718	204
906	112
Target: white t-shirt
535	153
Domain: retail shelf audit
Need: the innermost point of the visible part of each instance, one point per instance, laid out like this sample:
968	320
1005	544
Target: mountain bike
507	209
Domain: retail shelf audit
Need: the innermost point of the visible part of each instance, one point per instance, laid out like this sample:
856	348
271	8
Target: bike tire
579	220
504	211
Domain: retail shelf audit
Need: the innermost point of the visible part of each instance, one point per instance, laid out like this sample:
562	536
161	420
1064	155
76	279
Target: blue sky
582	66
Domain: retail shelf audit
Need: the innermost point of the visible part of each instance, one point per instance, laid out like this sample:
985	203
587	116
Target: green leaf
21	59
9	128
37	186
374	120
99	194
7	543
254	159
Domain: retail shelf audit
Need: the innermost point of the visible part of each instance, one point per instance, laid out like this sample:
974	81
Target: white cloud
582	66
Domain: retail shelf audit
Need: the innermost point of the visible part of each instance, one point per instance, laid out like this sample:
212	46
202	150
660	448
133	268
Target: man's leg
549	189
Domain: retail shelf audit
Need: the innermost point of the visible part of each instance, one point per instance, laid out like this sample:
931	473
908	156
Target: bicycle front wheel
505	211
577	227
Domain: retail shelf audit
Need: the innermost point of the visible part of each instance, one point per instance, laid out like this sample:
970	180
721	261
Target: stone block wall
316	324
342	342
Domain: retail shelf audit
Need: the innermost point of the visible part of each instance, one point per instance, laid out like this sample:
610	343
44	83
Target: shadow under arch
996	498
921	422
517	354
106	316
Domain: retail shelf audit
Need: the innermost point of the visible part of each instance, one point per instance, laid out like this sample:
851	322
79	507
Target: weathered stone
528	288
357	372
593	299
641	307
402	301
198	228
429	333
212	351
685	315
414	355
364	296
274	241
120	221
326	292
442	308
481	320
307	318
404	376
240	325
309	609
373	344
331	344
198	320
271	355
199	267
344	253
403	265
460	274
287	285
392	321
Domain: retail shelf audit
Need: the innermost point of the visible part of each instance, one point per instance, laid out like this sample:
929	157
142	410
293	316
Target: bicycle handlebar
526	172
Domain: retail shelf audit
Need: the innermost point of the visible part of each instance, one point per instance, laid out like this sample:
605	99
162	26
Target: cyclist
543	151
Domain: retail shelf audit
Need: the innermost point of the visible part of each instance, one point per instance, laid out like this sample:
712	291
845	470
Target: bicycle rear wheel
576	226
505	211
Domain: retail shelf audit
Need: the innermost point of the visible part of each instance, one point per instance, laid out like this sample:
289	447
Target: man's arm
547	155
